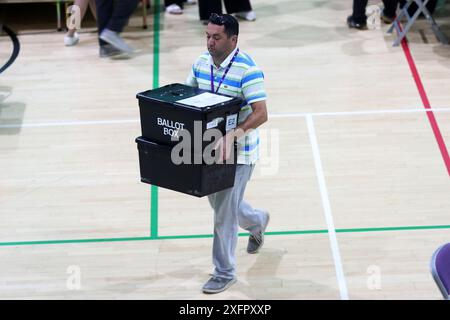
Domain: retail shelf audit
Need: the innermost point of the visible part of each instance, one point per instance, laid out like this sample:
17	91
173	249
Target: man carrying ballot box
227	70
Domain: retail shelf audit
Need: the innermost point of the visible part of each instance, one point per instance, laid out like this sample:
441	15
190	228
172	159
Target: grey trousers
231	211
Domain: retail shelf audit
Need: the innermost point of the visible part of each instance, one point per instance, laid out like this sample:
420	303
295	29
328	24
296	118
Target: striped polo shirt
244	80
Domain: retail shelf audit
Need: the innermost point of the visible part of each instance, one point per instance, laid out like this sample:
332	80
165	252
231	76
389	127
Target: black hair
231	25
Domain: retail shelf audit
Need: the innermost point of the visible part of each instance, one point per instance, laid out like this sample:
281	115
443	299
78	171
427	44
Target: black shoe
353	24
386	19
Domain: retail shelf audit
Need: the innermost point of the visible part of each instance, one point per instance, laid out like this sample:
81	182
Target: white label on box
212	124
231	122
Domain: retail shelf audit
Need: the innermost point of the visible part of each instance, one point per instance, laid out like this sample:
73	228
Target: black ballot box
179	118
197	179
167	110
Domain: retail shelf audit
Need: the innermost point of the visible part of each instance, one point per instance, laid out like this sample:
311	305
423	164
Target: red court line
426	105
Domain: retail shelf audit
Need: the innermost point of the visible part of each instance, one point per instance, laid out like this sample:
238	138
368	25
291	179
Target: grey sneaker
115	40
108	51
217	284
256	241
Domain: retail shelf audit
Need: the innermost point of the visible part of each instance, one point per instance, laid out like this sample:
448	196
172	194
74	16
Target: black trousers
113	15
206	7
359	9
178	2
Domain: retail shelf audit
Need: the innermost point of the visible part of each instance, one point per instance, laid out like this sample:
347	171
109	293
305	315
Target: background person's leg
82	4
206	7
242	9
233	6
104	13
358	19
359	11
93	8
71	37
390	8
121	14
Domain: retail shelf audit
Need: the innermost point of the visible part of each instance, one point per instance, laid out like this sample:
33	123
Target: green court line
154	212
202	236
154	189
394	228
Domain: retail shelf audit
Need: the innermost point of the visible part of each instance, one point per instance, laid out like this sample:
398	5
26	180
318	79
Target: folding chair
440	269
421	7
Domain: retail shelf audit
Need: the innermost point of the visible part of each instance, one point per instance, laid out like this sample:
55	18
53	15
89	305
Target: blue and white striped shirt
244	80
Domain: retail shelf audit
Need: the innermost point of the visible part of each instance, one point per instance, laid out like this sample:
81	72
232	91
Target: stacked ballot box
180	127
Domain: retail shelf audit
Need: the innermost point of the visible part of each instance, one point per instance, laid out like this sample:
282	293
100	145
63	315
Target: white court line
327	210
356	113
68	123
271	115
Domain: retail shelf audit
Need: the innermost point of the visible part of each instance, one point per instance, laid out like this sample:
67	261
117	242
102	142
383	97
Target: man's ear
234	38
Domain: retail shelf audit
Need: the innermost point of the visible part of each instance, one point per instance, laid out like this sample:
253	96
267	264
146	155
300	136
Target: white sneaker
71	41
247	15
174	9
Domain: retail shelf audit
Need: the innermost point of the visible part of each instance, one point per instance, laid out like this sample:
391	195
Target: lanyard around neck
224	74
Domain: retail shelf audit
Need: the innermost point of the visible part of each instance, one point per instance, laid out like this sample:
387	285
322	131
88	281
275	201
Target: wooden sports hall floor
354	169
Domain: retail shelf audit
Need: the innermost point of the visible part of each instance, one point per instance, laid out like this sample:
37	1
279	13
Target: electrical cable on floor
16	46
